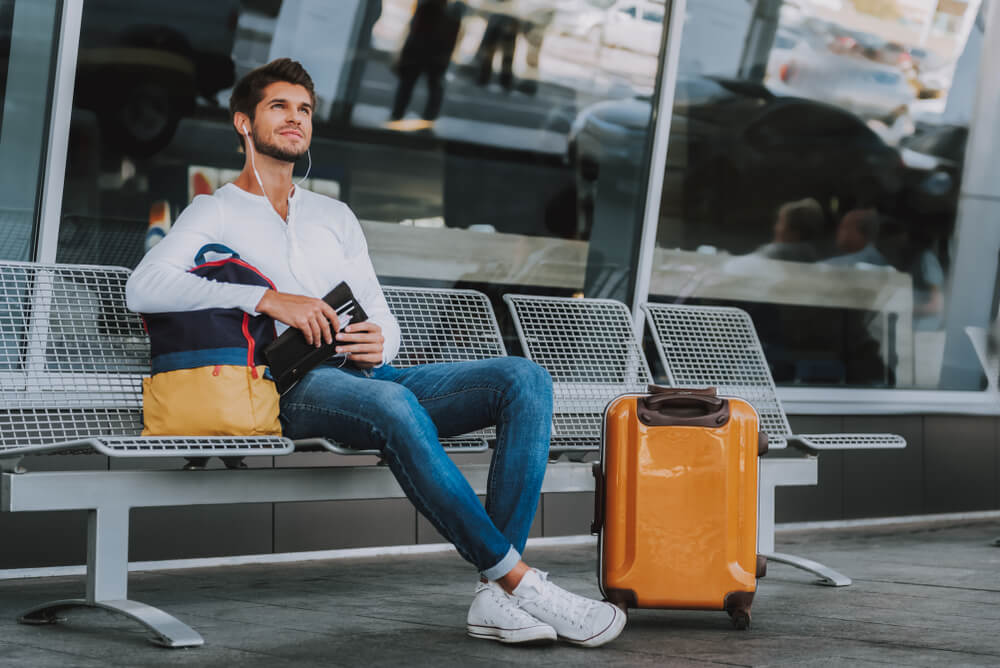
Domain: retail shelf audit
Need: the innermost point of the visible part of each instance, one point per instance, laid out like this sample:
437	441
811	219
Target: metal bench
72	359
718	346
589	348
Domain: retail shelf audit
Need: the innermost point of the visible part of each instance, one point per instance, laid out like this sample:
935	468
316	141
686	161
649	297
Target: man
856	237
306	244
797	226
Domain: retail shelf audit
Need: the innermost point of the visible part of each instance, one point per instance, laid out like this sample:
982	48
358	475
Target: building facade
827	166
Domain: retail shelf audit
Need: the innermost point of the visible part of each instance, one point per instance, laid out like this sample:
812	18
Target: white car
635	25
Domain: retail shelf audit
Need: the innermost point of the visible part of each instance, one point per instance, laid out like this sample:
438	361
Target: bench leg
827	576
167	631
107	584
775	472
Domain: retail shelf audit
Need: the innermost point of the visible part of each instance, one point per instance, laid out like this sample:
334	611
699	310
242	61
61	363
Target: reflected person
797	227
501	34
307	243
856	237
427	50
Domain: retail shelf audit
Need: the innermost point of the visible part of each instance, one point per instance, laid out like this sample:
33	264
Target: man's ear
241	122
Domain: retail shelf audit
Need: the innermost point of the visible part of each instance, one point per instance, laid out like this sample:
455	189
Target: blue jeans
403	412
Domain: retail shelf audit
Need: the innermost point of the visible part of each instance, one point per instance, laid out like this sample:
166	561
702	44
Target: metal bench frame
72	359
718	346
589	348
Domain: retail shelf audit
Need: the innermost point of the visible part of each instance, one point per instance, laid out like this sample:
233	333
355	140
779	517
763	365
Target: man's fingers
360	348
371	337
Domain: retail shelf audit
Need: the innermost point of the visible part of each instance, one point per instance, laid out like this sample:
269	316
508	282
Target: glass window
481	144
28	30
812	178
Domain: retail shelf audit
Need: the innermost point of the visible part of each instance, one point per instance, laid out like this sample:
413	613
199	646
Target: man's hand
364	344
313	317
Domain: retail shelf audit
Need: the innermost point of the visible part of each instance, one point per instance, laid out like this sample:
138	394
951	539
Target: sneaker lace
564	604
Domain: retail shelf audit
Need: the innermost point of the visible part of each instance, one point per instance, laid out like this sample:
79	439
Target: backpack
209	376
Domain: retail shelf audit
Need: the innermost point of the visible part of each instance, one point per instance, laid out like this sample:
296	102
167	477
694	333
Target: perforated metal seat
718	346
589	348
72	359
439	325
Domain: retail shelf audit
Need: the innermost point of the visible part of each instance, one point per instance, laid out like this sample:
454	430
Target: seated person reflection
307	243
796	230
856	236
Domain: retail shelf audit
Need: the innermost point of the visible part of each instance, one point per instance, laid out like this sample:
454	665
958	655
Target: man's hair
866	221
804	217
249	90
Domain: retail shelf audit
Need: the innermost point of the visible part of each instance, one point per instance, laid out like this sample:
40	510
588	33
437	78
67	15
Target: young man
306	244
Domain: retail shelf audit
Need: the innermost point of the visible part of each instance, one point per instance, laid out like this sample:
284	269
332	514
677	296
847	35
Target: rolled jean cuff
504	566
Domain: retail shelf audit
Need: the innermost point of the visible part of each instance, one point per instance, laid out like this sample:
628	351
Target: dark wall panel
568	514
334	525
824	501
199	531
884	483
960	463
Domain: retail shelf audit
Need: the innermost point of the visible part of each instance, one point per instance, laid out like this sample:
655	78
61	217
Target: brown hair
249	90
804	217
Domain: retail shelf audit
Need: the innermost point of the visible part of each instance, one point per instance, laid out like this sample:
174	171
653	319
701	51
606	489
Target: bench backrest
443	325
72	357
716	346
589	348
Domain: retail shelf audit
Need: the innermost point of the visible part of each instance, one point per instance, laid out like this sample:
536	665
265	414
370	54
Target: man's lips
292	133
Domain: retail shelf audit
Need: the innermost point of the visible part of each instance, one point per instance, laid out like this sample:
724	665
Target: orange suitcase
676	502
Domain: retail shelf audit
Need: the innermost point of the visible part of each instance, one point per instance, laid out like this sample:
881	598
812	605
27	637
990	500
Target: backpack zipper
250	345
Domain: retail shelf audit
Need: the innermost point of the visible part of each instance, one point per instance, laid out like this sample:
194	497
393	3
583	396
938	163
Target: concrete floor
923	595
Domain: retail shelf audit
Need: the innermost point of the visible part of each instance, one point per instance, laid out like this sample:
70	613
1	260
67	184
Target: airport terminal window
28	30
812	178
482	188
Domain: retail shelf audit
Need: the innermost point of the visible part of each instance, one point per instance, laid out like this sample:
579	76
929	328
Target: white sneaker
494	615
576	619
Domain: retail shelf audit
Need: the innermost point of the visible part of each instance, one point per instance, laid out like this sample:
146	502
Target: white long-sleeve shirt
321	245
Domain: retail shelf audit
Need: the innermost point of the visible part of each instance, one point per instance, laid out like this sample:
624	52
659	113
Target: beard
265	147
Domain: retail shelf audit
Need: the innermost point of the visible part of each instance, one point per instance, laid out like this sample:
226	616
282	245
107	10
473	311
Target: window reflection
812	178
446	125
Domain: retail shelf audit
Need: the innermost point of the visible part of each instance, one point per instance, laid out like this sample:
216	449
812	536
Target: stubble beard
264	147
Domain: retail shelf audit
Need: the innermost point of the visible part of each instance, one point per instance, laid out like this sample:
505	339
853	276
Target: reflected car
934	158
142	64
868	89
627	24
635	25
736	153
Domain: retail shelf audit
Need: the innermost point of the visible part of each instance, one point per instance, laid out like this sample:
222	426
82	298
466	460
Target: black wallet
290	357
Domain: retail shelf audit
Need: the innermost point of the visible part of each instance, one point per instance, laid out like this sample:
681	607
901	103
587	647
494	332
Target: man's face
849	238
282	125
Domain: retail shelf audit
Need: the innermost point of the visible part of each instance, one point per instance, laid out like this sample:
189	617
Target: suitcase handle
683	410
598	523
681	391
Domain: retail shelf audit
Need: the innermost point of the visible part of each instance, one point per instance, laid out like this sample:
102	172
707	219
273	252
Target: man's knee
395	409
522	376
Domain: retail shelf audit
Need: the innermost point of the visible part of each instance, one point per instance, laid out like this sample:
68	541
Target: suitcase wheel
740	619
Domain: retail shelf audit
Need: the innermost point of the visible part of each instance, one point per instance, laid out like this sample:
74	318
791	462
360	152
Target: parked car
143	63
868	89
736	153
635	25
628	24
934	158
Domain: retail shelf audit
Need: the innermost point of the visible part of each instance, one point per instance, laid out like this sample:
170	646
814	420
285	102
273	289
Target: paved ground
924	595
